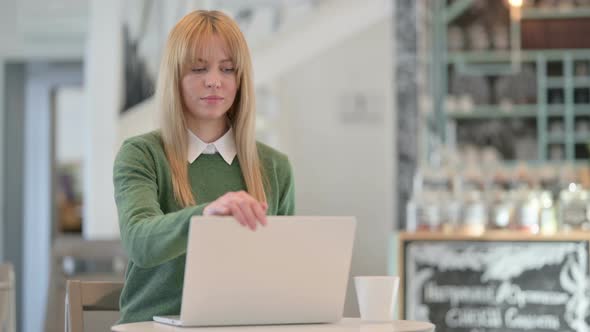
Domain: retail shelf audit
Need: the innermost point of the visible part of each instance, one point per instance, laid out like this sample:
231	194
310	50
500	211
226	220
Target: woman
203	161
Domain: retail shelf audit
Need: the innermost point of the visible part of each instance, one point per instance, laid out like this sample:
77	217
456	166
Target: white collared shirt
225	145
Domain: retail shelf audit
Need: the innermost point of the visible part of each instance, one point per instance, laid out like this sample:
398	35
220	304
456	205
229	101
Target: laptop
295	270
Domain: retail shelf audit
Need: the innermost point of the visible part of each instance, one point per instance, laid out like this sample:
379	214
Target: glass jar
529	207
474	213
428	212
573	208
500	202
451	212
501	209
548	216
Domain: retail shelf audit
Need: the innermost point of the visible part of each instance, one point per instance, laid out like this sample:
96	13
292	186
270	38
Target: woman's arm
286	190
149	236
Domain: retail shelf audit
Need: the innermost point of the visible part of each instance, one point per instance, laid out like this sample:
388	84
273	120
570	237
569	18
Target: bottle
548	216
501	210
528	212
474	208
573	207
428	214
474	215
501	204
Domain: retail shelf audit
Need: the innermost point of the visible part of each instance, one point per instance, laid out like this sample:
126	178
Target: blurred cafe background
460	130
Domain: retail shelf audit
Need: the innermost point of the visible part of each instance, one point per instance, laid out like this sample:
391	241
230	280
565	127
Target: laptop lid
293	271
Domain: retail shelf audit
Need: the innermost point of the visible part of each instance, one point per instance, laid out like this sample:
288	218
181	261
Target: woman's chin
209	115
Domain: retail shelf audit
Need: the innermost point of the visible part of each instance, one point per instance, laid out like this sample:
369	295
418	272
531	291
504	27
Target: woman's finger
219	210
260	213
237	213
246	208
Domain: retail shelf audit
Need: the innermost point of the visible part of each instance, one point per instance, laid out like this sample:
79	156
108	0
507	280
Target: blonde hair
187	40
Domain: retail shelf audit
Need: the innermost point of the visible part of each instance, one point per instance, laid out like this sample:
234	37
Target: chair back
7	298
91	296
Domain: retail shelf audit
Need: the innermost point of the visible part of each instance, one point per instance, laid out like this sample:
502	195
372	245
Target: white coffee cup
376	297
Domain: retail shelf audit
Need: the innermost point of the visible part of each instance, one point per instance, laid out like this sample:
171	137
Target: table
345	325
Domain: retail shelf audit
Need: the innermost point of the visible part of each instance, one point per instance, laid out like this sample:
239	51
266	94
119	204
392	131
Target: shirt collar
225	145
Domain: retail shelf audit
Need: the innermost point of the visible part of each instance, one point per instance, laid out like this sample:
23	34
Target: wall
7	25
329	24
103	83
137	120
69	147
343	155
41	28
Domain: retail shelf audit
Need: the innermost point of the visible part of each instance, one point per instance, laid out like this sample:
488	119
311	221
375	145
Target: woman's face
209	84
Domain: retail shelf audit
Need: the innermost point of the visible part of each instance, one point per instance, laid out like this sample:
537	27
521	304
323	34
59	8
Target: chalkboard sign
497	285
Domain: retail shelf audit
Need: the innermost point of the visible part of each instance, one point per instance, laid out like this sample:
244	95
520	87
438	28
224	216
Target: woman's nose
212	81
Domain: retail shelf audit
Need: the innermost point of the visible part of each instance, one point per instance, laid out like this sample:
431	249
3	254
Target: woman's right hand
245	208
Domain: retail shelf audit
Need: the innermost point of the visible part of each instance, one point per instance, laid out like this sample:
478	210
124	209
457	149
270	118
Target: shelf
515	163
559	82
559	109
494	235
541	163
555	109
495	112
538	61
550	162
516	111
555	82
582	109
556	139
560	139
555	13
526	56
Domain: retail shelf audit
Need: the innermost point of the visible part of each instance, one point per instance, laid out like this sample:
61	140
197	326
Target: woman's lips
212	99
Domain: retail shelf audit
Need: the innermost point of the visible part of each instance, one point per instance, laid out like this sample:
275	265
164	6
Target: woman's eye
198	70
228	70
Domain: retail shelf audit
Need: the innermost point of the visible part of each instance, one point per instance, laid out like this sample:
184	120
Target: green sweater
154	228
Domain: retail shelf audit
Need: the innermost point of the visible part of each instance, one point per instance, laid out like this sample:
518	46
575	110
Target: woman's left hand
242	206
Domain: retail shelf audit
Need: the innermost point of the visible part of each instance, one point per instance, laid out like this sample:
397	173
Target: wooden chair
85	296
7	298
74	258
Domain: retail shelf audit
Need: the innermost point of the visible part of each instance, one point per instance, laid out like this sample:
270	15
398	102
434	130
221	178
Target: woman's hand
247	210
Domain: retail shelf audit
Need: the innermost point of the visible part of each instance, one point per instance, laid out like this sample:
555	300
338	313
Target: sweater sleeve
149	236
286	190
